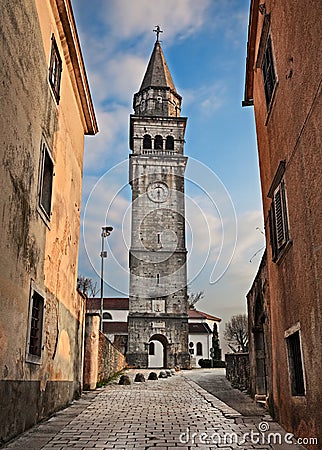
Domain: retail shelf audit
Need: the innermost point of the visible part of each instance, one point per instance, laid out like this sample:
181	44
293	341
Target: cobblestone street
162	414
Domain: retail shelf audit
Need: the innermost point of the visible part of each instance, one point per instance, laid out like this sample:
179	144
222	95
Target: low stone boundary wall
101	358
237	370
110	359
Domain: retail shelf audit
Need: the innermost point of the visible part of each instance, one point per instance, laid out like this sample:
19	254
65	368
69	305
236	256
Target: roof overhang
250	58
79	78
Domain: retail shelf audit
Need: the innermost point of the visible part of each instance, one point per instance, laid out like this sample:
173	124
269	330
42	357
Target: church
157	259
152	326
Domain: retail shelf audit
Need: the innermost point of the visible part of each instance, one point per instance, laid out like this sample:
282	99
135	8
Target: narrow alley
161	414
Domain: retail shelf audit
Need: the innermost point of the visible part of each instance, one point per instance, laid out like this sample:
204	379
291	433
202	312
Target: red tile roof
195	314
115	327
113	303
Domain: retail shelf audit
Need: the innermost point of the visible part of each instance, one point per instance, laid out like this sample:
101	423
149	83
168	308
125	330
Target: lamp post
106	231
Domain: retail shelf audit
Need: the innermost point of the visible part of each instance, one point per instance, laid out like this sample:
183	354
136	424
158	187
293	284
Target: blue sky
204	44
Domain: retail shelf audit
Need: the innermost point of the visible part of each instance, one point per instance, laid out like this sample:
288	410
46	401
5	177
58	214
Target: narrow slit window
158	278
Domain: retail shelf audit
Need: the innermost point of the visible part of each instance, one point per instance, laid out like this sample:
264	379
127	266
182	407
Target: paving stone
163	414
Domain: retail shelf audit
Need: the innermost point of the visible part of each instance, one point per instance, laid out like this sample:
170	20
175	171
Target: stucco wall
33	250
291	131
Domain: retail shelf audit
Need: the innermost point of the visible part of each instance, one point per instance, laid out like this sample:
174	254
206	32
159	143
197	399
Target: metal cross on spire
157	30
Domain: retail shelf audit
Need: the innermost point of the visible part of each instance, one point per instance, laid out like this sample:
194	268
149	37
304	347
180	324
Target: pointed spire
157	95
157	73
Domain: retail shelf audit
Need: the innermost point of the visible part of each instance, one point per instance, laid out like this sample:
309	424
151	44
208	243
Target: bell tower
158	272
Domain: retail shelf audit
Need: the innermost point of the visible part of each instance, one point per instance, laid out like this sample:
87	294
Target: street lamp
106	231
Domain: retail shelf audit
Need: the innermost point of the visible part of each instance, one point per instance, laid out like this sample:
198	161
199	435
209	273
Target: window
199	349
46	181
35	327
278	219
147	143
55	69
158	142
151	348
169	143
269	74
295	364
107	316
158	278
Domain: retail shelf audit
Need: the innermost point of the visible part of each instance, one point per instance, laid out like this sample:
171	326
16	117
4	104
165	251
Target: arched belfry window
147	142
158	142
169	143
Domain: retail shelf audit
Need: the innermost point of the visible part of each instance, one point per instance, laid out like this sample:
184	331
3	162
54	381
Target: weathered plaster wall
292	131
30	248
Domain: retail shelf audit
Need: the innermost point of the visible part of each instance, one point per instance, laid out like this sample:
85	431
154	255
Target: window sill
33	359
282	254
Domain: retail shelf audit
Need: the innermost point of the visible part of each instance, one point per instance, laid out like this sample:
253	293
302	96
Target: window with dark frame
199	348
278	221
36	326
269	74
151	348
295	364
46	181
55	69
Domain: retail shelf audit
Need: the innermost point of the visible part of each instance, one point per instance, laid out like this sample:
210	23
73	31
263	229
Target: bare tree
87	286
194	297
236	333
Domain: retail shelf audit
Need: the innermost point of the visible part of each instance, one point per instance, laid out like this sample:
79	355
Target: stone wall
110	359
237	370
102	359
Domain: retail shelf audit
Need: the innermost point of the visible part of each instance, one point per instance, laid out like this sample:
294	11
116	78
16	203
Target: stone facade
46	110
283	82
158	278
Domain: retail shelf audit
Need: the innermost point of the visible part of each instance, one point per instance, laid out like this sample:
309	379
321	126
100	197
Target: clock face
158	191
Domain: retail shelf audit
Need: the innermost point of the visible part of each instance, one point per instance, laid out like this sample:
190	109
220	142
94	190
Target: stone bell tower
158	272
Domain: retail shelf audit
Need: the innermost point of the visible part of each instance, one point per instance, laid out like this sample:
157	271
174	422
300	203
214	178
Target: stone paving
163	414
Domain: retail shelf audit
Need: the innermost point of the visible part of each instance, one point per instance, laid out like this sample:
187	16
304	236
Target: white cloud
207	98
110	145
135	19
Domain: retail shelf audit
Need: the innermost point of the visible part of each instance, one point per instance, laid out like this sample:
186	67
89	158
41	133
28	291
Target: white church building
115	328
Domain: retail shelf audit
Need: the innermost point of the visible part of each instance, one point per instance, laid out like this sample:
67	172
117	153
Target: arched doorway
158	345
